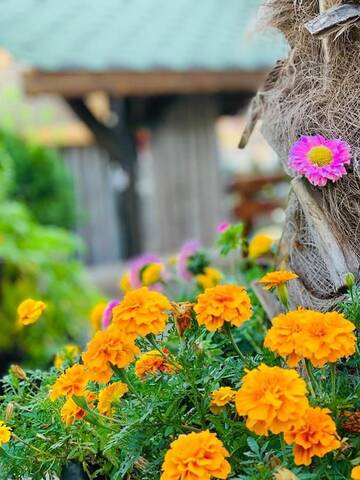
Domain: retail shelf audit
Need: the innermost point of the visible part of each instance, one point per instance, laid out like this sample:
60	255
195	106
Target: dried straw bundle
317	91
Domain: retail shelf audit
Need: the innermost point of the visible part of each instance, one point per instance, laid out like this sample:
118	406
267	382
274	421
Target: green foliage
38	261
40	180
232	239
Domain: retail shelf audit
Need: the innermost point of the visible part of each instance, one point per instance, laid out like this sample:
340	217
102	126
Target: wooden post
119	142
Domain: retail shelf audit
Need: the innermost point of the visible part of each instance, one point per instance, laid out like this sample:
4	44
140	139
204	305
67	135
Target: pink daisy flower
319	159
107	315
187	250
136	268
222	227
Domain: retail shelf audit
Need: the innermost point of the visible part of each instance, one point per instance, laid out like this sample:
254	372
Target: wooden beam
119	143
140	83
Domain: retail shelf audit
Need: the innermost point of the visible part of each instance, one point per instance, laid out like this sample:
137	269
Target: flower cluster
220	398
223	303
29	311
108	347
72	382
109	395
197	456
319	337
316	436
271	399
142	312
153	362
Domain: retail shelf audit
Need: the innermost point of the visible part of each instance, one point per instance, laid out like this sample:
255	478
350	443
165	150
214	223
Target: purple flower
319	159
222	227
187	250
107	315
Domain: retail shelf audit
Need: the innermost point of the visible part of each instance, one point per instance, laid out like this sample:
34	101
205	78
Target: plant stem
312	380
283	448
228	331
333	385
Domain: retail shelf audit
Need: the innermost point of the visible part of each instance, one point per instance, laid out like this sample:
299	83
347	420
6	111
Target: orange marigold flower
223	303
355	473
29	311
72	382
277	279
141	312
260	245
125	284
96	315
326	337
272	399
314	437
210	278
220	398
5	433
69	352
152	362
285	335
108	346
197	456
109	395
70	411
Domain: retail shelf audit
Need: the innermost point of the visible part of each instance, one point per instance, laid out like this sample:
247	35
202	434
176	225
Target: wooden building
170	66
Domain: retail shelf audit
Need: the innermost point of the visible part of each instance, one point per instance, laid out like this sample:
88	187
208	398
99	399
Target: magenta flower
107	315
187	250
222	227
136	268
319	159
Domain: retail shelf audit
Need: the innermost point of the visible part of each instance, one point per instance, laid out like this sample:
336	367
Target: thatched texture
317	91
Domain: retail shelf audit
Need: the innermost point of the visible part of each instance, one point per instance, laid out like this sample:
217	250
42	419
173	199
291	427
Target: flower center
320	156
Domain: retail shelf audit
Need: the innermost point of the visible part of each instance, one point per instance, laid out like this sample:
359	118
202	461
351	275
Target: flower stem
312	380
333	385
124	376
228	331
283	448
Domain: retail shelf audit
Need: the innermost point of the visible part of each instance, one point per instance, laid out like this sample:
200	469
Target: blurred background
120	122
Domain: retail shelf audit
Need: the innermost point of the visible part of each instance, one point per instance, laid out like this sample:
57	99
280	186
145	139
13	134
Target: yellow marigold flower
314	437
96	315
152	274
141	312
109	395
197	456
284	474
125	284
29	311
152	362
72	382
5	433
355	473
326	337
277	279
108	346
272	399
210	278
223	303
220	398
70	411
260	245
285	335
68	352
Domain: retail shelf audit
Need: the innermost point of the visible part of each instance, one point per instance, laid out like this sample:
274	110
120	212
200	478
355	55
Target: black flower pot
73	471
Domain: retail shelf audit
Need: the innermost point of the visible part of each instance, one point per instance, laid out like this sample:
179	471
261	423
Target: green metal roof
99	35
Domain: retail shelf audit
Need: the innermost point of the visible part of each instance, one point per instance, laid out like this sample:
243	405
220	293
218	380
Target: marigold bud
284	474
9	411
350	279
18	372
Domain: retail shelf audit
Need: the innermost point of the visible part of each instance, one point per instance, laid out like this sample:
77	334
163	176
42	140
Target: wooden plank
139	83
333	19
333	252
